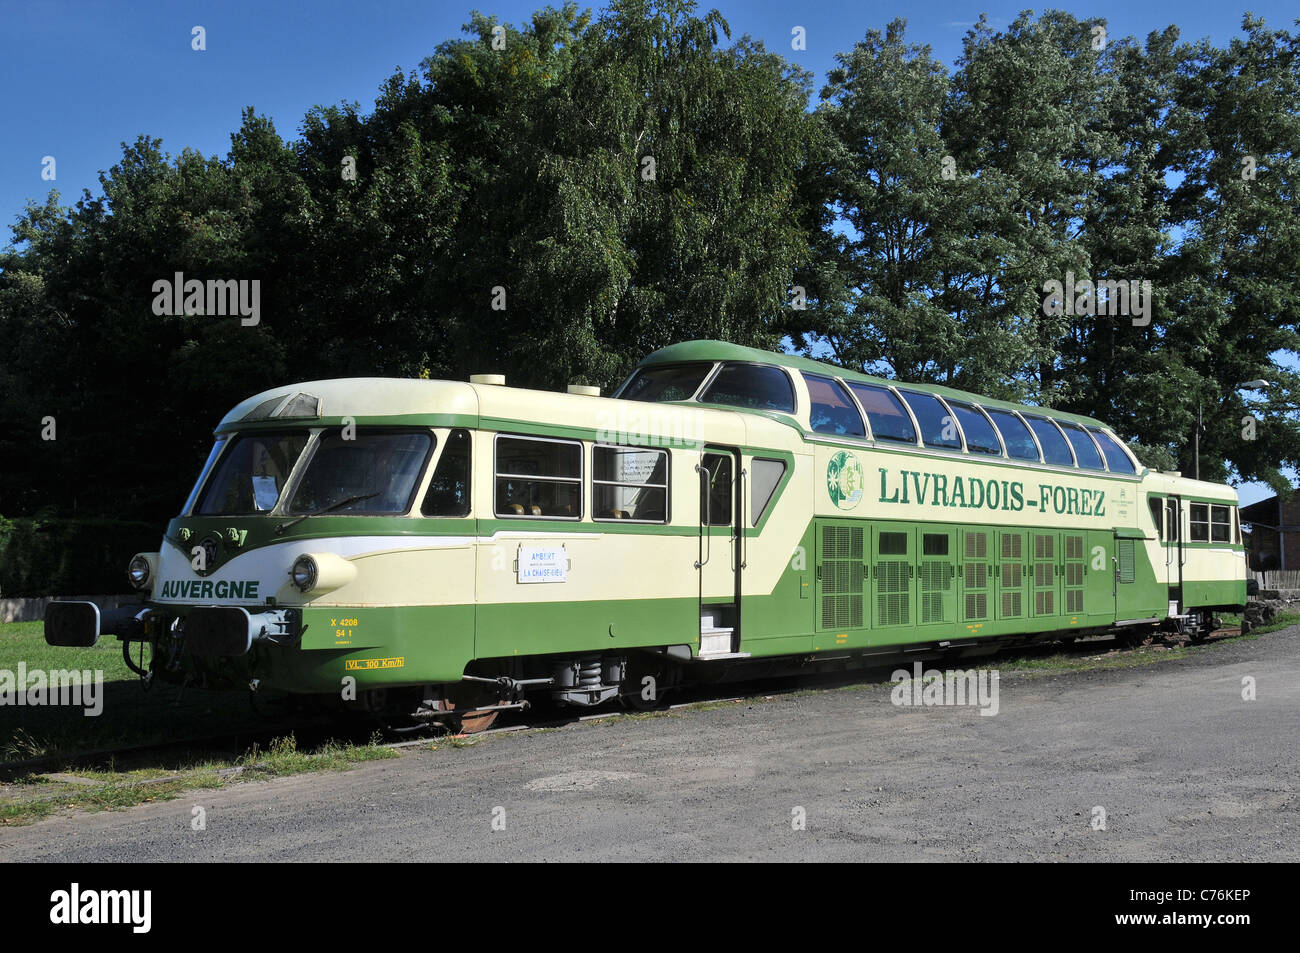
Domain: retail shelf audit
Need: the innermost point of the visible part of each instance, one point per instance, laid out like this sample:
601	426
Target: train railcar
448	549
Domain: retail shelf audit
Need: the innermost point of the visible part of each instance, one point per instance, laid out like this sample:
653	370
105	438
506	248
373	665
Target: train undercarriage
636	679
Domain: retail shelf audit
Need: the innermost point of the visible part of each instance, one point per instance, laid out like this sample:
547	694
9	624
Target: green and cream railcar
456	546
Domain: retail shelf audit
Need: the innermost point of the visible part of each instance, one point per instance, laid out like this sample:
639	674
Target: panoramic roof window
753	386
938	428
1055	449
666	383
1084	449
832	409
1019	441
980	435
1116	458
889	420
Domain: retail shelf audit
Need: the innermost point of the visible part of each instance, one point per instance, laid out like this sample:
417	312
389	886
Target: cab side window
1157	505
448	493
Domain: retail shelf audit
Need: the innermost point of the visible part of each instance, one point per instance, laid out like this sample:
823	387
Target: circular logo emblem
210	546
844	480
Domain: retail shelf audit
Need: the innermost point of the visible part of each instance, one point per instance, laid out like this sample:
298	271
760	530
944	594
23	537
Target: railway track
314	730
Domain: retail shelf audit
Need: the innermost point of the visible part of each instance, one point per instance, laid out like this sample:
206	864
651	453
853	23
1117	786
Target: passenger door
1099	591
718	561
1173	545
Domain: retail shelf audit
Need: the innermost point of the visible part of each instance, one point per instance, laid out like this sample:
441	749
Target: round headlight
303	573
138	572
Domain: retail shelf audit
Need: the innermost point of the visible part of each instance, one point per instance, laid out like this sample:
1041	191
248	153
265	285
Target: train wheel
635	701
638	694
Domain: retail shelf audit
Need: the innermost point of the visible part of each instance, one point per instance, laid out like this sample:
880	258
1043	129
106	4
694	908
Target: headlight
303	573
139	571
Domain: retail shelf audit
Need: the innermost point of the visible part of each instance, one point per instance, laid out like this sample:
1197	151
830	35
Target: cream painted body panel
391	571
884	495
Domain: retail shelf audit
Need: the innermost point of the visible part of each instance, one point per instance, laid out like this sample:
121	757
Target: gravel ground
1185	769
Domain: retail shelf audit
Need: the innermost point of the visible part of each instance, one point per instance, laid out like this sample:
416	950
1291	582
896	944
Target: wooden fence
1276	578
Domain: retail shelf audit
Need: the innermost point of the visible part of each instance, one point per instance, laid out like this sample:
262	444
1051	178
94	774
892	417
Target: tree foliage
637	177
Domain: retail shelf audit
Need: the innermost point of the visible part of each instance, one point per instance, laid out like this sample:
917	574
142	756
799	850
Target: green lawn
129	717
25	642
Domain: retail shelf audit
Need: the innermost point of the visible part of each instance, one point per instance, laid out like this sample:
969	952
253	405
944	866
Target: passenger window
536	477
1019	441
1055	449
1199	516
1116	458
767	476
448	493
1157	507
1220	524
938	428
629	483
1085	451
715	506
885	412
832	411
754	386
980	435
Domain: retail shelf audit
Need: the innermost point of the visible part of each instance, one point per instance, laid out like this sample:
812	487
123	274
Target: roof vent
585	390
498	380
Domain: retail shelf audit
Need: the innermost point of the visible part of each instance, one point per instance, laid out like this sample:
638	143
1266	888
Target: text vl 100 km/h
455	547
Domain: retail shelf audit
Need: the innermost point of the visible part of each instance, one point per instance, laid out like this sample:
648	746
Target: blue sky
82	77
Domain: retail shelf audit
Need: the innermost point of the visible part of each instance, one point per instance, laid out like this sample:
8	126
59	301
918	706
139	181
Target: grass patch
36	797
130	716
25	642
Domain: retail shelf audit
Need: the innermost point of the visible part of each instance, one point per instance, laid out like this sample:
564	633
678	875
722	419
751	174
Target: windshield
203	474
251	474
377	472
